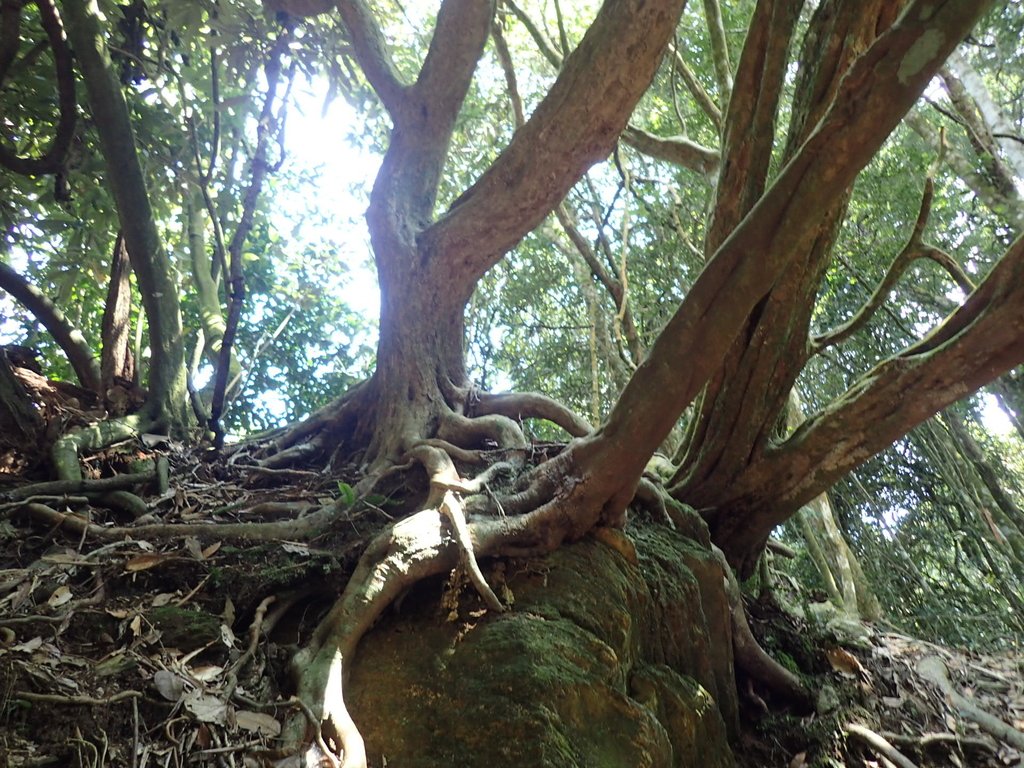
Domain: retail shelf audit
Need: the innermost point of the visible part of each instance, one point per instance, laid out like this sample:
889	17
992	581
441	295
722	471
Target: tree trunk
744	406
21	426
116	359
168	394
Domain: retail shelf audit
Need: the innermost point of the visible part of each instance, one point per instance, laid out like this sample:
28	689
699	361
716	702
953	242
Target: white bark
1006	135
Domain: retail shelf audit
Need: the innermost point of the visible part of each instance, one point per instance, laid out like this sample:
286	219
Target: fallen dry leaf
844	662
145	562
168	684
258	722
60	596
211	550
206	707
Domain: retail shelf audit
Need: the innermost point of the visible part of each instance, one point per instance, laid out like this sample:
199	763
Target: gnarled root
408	551
568	495
66	450
750	656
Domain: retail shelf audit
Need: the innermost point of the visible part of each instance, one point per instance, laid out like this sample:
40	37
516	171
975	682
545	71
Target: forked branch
916	248
372	53
575	125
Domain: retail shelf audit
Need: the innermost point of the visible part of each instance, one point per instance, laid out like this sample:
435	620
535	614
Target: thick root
527	405
750	657
408	551
66	450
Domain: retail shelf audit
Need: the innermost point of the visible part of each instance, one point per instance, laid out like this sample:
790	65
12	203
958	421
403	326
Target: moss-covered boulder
617	652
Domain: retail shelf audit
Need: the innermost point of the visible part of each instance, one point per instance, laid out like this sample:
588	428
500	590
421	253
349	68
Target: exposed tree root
306	527
749	655
951	741
80	485
66	450
566	497
879	745
531	405
301	442
403	554
482	431
934	671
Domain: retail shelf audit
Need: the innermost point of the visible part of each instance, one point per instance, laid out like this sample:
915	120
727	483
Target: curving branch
575	126
10	34
371	51
70	339
52	161
532	405
699	93
915	249
677	150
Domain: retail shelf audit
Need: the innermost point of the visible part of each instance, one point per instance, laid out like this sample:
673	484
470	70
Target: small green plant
346	493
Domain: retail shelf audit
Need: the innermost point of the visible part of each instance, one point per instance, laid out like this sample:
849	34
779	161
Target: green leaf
346	493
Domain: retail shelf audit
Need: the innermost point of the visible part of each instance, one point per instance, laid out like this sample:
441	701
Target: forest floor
162	648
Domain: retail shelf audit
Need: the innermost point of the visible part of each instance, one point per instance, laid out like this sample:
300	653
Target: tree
733	349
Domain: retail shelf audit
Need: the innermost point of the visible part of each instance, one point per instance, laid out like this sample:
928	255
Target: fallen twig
81	701
880	745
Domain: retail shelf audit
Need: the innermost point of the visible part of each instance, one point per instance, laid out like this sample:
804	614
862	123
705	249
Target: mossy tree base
617	652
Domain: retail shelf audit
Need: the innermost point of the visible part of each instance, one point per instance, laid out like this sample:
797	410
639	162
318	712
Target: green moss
601	663
184	627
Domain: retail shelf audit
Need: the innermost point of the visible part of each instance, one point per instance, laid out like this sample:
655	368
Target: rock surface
616	652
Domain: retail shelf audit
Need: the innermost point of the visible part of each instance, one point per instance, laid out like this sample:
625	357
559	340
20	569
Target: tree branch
507	67
612	284
1001	201
876	92
53	159
981	340
455	48
10	34
371	51
719	49
750	119
544	45
575	125
677	150
693	85
915	249
269	124
70	339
